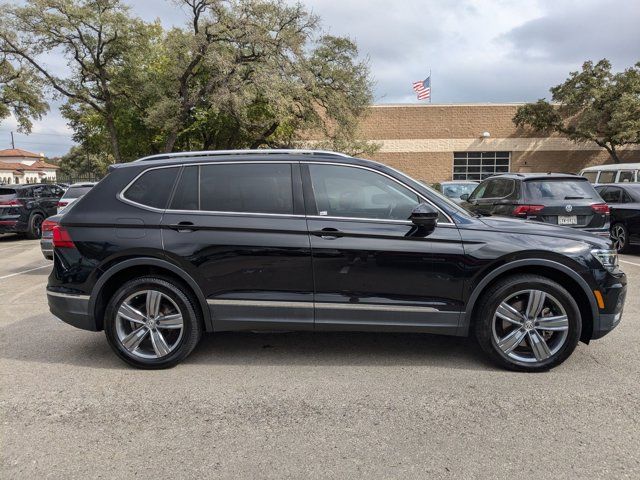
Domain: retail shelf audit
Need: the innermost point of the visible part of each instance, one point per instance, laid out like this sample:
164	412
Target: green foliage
239	74
592	105
79	161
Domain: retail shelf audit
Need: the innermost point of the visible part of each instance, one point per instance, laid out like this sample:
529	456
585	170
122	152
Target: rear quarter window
152	188
76	192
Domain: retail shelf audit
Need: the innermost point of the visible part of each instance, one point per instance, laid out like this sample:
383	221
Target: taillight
601	208
526	210
61	238
62	204
13	203
48	225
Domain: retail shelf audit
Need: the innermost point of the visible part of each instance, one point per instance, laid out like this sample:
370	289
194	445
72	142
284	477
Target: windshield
559	189
456	190
76	192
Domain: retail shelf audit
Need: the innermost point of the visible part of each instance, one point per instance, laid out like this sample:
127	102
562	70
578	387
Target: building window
479	165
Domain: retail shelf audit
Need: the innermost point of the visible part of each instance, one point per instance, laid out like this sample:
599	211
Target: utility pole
13	144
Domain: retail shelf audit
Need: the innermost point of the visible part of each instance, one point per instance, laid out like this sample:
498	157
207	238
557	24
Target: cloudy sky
477	51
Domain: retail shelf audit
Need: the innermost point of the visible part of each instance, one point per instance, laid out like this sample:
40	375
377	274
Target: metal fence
69	179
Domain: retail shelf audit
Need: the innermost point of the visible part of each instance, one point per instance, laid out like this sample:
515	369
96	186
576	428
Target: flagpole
431	84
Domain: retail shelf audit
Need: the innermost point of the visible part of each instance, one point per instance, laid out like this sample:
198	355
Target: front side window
152	188
342	191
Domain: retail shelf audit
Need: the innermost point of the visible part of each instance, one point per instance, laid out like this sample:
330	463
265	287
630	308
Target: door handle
328	233
182	227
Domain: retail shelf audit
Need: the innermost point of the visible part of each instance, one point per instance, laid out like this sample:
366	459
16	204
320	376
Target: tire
153	341
35	226
620	237
559	323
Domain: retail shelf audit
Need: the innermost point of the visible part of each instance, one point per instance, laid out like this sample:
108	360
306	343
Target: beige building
435	142
19	166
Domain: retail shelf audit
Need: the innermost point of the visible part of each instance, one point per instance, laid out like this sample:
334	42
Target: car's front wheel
152	323
528	323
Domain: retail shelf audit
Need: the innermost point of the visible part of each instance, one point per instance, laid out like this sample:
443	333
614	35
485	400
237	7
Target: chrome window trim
120	196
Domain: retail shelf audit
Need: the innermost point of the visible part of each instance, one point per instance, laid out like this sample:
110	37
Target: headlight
607	258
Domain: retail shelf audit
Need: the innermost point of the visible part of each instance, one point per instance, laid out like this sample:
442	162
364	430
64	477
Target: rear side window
7	191
591	176
559	189
152	188
246	188
612	195
499	188
186	195
607	177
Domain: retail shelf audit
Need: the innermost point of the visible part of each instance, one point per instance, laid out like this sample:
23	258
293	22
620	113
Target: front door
239	230
372	268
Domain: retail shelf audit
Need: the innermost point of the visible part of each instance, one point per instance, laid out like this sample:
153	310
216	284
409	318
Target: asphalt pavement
305	405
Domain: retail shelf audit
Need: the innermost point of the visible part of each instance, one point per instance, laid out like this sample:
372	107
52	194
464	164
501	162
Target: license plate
568	220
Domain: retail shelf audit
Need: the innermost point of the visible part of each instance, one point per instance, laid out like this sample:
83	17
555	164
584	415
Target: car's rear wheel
528	323
35	226
620	237
152	323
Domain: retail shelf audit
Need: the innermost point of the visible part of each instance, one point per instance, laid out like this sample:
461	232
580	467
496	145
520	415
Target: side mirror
464	196
425	217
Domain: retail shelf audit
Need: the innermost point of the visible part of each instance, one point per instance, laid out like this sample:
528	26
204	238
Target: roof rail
264	151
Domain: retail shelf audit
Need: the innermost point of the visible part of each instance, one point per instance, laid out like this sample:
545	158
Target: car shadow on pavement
10	238
63	344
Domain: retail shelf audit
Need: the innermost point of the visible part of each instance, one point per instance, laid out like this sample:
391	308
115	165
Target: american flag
423	88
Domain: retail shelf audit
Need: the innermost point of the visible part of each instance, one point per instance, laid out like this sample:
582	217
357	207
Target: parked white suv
73	193
617	173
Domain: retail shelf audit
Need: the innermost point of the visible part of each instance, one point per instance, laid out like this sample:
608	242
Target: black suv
559	199
170	246
23	208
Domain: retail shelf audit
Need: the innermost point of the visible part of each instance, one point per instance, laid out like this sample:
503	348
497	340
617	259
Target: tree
79	161
592	105
96	37
20	94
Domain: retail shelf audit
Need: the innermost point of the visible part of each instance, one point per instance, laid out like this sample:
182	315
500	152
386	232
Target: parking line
25	271
630	263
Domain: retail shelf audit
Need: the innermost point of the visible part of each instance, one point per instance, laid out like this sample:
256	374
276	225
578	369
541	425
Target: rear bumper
72	309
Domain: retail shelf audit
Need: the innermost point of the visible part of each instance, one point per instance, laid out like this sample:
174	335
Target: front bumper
72	309
614	293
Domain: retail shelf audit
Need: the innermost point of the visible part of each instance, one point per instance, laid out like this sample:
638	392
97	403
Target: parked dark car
46	240
170	246
558	199
624	201
73	193
23	208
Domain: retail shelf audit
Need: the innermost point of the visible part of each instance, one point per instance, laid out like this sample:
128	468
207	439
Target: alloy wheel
149	324
530	326
619	237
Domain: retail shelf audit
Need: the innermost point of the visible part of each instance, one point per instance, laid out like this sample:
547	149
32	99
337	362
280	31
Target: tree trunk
113	137
614	154
171	141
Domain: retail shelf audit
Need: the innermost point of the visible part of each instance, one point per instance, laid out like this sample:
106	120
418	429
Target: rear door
372	269
565	201
239	229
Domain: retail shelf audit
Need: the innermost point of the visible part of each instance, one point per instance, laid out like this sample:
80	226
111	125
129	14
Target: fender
154	262
463	328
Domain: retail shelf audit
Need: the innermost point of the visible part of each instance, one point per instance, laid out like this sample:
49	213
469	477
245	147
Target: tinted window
626	176
591	176
76	192
153	187
259	188
612	195
499	188
559	189
607	177
186	195
7	191
359	193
